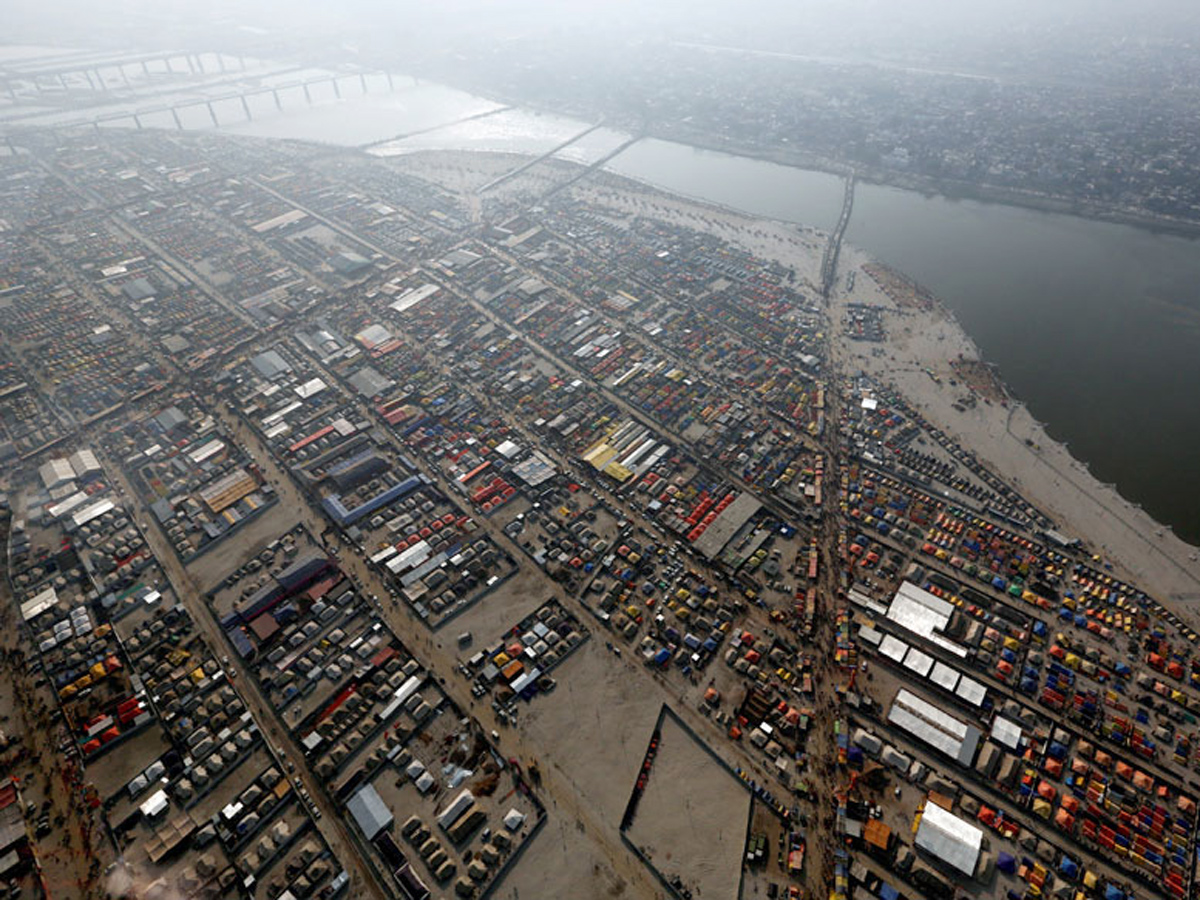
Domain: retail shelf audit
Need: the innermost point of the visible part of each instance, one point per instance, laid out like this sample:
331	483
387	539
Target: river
1095	326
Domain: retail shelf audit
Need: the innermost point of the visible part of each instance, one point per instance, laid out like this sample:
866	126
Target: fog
984	33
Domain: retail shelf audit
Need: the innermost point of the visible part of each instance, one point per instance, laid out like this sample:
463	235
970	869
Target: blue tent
1112	892
1068	868
1006	862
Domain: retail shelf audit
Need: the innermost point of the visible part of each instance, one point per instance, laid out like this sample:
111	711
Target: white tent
950	839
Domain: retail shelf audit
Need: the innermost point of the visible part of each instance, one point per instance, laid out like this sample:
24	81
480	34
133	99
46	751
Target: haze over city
568	448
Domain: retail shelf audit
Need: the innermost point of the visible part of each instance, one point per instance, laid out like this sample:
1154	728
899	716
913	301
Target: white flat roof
893	648
918	661
945	676
954	841
971	691
1007	732
924	614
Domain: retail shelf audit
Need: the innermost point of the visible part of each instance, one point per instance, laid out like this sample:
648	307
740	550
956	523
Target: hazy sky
946	30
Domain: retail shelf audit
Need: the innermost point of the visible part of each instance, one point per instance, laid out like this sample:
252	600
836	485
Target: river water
1095	326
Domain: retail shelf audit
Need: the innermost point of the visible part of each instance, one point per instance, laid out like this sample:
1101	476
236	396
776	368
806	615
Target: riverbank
952	189
1014	444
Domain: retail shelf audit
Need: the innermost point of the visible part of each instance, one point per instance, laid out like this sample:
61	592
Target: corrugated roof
935	727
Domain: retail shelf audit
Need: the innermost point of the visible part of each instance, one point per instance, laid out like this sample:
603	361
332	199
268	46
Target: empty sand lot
691	820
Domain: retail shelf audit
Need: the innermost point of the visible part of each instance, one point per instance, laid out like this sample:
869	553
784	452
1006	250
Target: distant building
55	472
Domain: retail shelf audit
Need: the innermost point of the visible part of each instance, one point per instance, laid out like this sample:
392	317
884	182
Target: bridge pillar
175	116
200	63
96	125
307	94
246	108
242	62
336	90
88	76
62	81
362	77
275	94
124	77
137	120
212	114
220	61
391	84
37	84
187	58
145	67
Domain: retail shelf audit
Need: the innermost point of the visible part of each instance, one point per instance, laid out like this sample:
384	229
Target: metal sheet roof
918	661
945	676
727	524
1007	732
893	648
950	839
935	727
923	614
971	690
369	811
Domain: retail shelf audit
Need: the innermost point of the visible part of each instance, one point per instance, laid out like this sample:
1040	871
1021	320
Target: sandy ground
592	731
690	802
211	567
1046	474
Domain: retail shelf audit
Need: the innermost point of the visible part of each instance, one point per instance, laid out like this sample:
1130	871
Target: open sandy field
593	730
691	821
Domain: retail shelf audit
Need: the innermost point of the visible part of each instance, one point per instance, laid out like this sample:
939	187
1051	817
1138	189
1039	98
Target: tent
1006	863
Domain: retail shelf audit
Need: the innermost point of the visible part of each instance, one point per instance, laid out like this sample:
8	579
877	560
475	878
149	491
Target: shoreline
1017	447
954	190
951	189
1049	477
